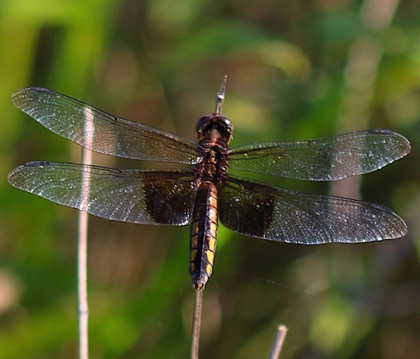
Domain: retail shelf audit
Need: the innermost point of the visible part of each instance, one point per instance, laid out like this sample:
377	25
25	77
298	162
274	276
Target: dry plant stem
82	286
278	342
359	79
196	323
198	302
82	258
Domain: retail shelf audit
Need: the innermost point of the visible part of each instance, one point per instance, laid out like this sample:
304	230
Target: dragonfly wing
136	196
282	215
100	131
324	159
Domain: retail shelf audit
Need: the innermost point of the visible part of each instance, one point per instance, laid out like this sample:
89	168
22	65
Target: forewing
136	196
324	159
100	131
288	216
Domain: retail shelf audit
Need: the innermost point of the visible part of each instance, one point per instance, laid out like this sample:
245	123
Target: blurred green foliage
292	72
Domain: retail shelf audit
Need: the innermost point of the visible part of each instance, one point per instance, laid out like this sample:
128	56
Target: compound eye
202	123
228	126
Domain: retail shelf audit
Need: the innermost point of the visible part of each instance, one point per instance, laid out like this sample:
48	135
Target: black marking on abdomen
203	237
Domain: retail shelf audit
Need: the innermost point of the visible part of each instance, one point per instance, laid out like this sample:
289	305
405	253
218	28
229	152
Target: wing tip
26	92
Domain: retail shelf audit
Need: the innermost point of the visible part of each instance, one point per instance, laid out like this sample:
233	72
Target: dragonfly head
214	127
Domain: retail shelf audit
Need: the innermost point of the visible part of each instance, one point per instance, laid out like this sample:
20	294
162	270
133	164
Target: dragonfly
203	191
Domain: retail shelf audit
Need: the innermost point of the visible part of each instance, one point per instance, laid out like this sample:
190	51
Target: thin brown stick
196	323
221	96
198	302
278	342
360	77
82	285
82	254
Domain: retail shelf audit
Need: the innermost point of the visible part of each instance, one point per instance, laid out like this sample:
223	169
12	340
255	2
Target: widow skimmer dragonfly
206	191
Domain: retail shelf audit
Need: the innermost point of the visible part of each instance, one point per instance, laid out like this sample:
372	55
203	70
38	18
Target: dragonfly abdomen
203	237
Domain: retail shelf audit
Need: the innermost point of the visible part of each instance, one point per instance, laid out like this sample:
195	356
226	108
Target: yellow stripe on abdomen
203	238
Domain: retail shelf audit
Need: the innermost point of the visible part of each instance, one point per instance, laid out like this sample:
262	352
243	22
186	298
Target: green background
297	70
